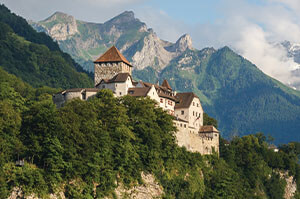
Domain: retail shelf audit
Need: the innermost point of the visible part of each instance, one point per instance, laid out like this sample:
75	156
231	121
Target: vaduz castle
113	71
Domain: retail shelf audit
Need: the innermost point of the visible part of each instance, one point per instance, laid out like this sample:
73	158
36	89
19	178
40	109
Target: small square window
120	93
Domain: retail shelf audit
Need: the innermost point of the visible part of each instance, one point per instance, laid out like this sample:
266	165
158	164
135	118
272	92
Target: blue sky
250	27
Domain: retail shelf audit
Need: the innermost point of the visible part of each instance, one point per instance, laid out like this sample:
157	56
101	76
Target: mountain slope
231	89
86	41
34	57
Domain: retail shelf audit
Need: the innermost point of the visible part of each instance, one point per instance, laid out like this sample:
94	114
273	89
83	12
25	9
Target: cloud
252	30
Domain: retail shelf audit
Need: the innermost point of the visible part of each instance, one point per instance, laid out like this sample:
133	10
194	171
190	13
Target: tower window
182	112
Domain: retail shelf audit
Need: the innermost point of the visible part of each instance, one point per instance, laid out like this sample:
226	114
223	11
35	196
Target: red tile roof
112	55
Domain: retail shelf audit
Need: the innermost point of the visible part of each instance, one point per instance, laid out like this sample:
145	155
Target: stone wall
109	70
204	143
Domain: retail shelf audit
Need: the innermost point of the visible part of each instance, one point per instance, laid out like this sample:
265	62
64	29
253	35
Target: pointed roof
166	84
112	55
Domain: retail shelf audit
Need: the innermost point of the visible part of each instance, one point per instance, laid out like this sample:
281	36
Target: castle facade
113	71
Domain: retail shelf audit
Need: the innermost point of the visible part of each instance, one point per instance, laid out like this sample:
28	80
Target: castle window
197	105
182	112
161	100
180	125
116	85
184	125
193	113
196	114
193	103
103	86
120	93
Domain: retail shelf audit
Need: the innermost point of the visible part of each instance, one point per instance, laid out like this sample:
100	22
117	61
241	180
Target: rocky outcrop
152	54
183	43
291	186
149	190
60	26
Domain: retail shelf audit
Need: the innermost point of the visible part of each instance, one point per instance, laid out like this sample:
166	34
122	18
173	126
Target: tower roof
166	84
112	55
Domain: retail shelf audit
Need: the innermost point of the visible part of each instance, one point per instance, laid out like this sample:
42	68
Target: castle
113	71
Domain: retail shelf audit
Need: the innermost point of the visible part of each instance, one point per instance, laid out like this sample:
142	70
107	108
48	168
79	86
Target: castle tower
109	64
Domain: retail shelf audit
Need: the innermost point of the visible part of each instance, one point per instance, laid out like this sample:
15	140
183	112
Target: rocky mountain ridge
86	41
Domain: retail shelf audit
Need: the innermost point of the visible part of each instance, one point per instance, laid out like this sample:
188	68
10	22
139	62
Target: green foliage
87	148
34	57
207	120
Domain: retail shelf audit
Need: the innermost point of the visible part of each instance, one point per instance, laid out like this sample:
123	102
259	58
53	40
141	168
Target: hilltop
231	89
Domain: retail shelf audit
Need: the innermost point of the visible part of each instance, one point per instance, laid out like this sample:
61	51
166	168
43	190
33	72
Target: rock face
86	41
149	190
152	53
64	26
183	43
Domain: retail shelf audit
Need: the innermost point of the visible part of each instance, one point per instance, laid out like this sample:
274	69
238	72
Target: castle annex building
113	71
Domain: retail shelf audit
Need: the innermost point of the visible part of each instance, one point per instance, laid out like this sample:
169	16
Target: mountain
231	89
85	41
293	51
35	57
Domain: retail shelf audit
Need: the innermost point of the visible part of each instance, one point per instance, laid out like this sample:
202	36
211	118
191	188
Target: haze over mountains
231	89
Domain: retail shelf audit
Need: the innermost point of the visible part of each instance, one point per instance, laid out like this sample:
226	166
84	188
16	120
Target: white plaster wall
197	110
185	116
71	95
166	106
153	94
90	94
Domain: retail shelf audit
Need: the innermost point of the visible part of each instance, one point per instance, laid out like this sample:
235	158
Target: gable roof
139	92
161	91
120	77
185	99
112	55
166	84
208	129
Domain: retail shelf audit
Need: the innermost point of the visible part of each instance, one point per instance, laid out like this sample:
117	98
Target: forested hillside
231	89
85	147
34	57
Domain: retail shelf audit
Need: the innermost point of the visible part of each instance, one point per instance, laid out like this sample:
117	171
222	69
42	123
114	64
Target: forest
106	140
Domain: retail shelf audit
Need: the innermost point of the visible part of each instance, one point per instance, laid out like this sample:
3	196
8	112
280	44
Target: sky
249	27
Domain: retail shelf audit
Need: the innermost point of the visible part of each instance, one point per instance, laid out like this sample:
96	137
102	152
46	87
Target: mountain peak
59	16
184	42
124	17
